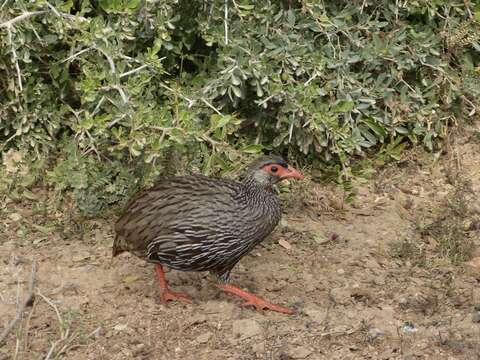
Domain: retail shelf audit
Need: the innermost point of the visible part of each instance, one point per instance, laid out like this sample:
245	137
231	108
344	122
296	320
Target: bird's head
268	170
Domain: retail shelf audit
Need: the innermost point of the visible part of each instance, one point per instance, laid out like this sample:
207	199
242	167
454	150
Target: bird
201	223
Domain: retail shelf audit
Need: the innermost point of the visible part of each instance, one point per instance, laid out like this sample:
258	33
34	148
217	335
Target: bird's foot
261	304
168	295
253	300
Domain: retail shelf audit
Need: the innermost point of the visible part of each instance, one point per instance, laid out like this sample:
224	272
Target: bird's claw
168	295
265	305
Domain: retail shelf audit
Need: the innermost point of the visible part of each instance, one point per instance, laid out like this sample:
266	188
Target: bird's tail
117	246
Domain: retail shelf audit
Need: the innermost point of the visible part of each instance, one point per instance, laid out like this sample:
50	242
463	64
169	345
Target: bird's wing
192	248
191	208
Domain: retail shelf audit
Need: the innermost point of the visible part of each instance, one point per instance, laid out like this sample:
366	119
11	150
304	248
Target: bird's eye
274	169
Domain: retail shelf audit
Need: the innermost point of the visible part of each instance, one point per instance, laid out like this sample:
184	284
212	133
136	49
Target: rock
259	349
246	328
476	318
120	327
374	333
138	349
285	244
203	338
197	319
276	285
299	352
409	328
15	217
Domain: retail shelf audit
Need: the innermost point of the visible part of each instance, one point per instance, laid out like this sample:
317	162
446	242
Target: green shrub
99	89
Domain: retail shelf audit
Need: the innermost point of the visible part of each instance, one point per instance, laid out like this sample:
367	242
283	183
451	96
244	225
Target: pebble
259	348
120	327
139	348
276	285
246	328
476	318
197	319
203	338
375	333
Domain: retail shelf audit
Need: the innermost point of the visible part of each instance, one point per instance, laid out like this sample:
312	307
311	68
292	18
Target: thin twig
53	9
27	328
28	301
266	99
71	57
15	58
17	347
133	71
24	16
290	132
4	3
59	317
121	92
212	107
52	348
226	22
110	61
64	335
190	101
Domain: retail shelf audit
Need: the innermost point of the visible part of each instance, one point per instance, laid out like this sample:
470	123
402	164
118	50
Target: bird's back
196	222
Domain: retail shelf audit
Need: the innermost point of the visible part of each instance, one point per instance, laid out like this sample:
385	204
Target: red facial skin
281	172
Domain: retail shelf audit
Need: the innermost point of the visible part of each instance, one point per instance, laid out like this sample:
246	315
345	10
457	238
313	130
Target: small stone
138	349
320	239
203	338
197	319
299	352
259	348
409	328
120	327
15	217
285	244
340	271
127	353
476	318
246	328
374	333
276	285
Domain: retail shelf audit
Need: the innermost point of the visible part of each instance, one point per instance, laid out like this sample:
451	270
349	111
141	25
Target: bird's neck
253	185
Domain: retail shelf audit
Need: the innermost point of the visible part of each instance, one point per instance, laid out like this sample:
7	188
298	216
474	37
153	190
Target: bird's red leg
253	300
165	293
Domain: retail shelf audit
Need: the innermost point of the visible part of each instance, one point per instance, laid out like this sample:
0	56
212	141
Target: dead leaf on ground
285	244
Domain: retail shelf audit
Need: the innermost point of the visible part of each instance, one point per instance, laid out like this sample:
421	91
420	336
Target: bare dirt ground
370	281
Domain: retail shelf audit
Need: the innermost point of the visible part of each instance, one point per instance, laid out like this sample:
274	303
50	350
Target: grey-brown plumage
199	223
